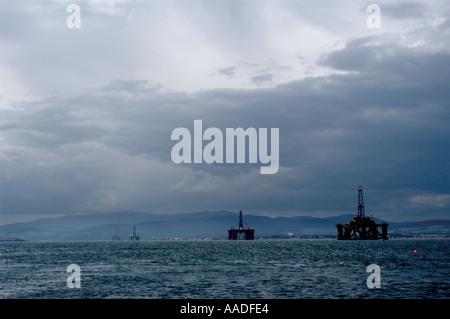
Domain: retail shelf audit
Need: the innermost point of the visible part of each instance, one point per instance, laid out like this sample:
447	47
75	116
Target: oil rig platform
241	232
134	235
362	227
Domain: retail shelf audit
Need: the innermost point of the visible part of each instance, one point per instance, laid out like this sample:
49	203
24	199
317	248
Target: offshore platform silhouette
362	227
134	235
241	233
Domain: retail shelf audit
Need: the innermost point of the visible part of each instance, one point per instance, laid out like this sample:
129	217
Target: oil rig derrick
241	232
362	227
134	235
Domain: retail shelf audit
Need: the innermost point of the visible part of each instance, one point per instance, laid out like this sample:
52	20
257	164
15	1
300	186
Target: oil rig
362	227
116	237
241	233
134	235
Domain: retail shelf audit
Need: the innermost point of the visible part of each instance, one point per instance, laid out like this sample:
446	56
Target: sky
87	110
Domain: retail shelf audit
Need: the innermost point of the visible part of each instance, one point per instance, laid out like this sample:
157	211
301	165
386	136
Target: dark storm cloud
383	124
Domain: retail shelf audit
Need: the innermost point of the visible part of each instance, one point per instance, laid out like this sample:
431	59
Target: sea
218	269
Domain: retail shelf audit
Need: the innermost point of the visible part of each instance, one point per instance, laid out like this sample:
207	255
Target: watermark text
235	141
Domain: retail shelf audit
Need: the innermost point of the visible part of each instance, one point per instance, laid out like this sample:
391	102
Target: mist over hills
188	226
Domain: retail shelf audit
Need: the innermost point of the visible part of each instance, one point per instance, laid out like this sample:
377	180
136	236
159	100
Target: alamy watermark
74	279
235	142
73	21
374	280
374	19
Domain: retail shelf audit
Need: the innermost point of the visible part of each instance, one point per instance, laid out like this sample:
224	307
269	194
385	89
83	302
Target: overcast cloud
86	114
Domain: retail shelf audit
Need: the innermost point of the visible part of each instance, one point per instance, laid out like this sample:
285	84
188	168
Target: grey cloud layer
383	125
94	132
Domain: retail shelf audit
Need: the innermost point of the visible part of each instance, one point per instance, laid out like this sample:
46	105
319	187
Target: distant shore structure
115	237
240	232
134	235
362	227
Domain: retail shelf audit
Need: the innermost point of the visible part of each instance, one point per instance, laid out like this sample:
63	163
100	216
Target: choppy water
227	269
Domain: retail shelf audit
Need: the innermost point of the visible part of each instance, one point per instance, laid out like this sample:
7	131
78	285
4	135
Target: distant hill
191	225
428	227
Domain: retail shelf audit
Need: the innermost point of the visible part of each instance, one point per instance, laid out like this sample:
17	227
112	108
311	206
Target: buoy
415	251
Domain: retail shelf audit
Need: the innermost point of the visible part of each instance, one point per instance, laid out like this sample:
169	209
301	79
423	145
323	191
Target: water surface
257	269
